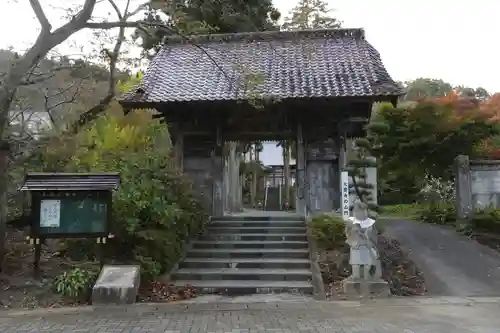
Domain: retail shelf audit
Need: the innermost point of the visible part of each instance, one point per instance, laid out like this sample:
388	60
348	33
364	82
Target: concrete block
116	285
360	287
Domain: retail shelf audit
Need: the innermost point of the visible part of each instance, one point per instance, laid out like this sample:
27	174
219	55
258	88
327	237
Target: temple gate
314	87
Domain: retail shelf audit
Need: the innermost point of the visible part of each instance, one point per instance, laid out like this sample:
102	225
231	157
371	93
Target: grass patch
410	211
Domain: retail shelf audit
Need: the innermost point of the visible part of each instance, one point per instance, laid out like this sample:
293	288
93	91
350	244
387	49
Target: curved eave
129	104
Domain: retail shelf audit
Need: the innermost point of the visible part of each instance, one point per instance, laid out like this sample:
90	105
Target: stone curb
151	308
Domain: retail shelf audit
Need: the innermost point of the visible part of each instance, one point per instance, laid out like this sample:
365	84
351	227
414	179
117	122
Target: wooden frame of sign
68	205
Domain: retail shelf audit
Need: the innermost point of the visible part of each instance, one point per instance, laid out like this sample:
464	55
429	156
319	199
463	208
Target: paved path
382	316
453	265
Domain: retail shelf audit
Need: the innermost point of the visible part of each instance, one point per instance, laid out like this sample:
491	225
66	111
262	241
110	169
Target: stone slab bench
116	285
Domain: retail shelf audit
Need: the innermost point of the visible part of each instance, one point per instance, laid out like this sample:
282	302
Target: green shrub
486	220
76	283
438	214
402	210
155	210
328	231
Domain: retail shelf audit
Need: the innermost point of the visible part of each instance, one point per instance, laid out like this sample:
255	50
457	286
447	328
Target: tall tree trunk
286	171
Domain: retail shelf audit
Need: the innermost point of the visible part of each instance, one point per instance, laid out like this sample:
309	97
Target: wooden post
286	172
301	171
177	138
217	175
179	151
36	262
225	184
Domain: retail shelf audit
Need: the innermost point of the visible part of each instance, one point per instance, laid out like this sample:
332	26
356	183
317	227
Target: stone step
262	224
249	253
254	237
246	263
250	245
239	274
290	217
247	287
252	230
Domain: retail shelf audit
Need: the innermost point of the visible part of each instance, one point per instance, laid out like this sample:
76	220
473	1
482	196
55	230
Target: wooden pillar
301	171
233	178
225	182
217	175
177	139
179	151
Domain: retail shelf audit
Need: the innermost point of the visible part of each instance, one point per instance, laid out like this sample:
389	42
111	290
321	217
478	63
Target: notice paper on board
50	213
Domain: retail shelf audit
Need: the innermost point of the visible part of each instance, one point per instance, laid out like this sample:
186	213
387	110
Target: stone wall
477	185
485	184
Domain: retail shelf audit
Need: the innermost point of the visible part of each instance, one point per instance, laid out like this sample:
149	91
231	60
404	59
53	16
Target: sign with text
344	185
50	213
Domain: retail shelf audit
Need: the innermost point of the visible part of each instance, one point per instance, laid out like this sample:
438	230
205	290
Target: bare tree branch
46	41
139	8
117	10
40	15
100	107
41	77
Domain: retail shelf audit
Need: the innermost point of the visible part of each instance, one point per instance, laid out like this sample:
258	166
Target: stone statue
362	237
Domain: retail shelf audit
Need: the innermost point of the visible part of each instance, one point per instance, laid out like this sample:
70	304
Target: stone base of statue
368	288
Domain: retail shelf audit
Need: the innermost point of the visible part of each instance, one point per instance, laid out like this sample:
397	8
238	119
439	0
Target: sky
456	41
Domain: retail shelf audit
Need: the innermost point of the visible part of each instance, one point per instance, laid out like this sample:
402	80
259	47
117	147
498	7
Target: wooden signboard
71	214
322	151
69	205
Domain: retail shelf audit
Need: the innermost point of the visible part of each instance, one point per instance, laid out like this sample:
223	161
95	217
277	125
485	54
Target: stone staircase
249	255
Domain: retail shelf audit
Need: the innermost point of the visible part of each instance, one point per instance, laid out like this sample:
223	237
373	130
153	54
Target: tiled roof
292	64
45	181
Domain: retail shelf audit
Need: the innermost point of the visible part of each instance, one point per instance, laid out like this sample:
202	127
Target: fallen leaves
404	277
158	291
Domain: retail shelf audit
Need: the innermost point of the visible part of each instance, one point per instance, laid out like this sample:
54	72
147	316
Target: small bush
436	191
438	197
76	284
328	231
402	210
438	214
487	220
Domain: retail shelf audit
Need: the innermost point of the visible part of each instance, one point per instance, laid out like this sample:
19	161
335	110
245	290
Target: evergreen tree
363	159
207	16
310	14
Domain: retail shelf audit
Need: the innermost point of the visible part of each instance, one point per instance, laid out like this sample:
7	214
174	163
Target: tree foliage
206	16
424	139
155	210
310	14
424	88
490	147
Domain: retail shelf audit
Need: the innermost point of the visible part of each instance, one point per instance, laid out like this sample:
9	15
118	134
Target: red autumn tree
461	104
491	108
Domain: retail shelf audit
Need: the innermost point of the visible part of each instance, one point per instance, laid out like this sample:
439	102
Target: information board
50	213
73	216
